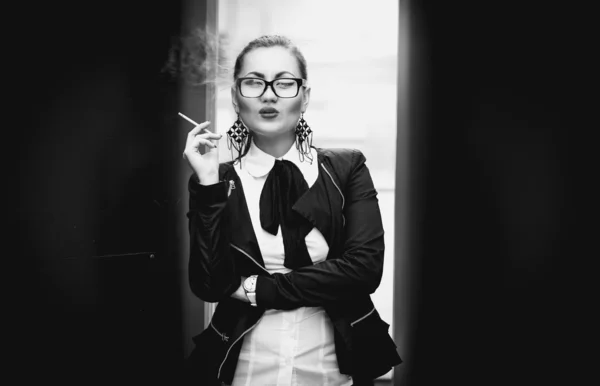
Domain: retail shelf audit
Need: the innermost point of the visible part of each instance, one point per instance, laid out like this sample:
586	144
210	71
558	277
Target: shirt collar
258	163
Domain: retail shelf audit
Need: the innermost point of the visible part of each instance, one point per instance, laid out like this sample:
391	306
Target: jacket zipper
224	337
234	343
339	190
362	318
250	257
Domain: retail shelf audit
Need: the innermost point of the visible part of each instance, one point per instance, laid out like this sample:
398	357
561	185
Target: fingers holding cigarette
204	164
199	129
195	133
198	126
204	140
200	136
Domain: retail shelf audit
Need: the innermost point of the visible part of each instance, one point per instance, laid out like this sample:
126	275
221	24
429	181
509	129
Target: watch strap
251	295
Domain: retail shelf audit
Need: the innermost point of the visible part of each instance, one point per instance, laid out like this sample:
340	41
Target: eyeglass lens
283	88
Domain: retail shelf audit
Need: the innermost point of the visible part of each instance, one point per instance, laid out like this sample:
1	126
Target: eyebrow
261	75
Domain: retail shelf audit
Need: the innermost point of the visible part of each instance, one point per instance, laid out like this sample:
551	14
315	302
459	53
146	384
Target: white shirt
294	347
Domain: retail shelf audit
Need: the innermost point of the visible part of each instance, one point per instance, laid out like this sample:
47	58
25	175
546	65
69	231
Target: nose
269	94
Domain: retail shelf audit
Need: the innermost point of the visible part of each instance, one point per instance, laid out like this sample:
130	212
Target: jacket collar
321	204
258	163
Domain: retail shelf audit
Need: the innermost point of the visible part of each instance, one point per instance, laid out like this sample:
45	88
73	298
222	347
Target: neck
275	146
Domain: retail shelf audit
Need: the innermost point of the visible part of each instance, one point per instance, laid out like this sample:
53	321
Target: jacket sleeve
357	271
211	267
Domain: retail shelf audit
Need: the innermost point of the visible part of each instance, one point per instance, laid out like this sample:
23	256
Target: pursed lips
268	112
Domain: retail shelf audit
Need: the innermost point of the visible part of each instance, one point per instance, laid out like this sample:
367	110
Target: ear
305	98
234	99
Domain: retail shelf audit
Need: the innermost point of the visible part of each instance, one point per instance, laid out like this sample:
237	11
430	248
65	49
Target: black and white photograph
295	192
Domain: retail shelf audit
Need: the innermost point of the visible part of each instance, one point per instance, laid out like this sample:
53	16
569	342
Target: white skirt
287	348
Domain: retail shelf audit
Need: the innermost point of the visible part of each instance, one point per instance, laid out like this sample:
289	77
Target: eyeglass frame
299	81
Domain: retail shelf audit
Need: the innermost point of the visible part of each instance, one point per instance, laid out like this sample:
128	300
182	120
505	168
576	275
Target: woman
287	238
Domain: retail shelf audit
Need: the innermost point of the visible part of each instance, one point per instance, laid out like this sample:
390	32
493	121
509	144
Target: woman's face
270	115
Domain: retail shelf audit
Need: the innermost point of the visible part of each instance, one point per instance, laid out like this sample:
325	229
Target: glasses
282	87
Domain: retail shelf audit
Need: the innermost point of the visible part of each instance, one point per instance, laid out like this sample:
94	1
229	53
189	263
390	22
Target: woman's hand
240	294
205	166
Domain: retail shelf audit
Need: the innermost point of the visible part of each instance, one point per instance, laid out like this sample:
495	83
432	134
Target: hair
267	41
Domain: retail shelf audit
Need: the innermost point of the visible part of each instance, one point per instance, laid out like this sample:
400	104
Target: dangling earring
304	139
237	136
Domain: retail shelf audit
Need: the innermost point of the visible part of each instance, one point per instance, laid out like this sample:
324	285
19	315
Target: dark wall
496	100
96	201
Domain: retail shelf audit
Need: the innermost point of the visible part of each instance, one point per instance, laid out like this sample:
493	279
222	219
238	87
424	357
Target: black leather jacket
342	204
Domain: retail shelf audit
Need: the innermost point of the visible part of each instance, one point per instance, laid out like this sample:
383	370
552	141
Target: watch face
249	284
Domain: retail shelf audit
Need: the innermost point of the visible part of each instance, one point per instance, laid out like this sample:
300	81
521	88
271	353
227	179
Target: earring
304	139
237	136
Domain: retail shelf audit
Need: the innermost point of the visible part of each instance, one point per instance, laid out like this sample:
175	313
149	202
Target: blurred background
465	112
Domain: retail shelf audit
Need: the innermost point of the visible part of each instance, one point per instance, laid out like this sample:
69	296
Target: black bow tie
285	184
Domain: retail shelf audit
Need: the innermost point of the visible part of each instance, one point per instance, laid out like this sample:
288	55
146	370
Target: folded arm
357	271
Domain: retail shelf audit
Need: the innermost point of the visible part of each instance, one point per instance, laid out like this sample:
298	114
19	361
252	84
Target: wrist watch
250	289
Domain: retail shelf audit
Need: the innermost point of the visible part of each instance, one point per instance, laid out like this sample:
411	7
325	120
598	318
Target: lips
268	111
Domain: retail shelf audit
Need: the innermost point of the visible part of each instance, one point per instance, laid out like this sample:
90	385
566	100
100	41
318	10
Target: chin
269	129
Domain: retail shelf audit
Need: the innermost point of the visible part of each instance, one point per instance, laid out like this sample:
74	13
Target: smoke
198	58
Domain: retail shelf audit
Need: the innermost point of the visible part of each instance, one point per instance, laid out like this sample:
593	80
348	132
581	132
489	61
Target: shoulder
341	163
347	157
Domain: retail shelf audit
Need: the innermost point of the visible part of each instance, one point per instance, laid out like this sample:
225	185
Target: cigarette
189	120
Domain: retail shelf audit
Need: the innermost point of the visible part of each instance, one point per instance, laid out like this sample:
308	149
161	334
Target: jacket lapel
242	233
322	206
